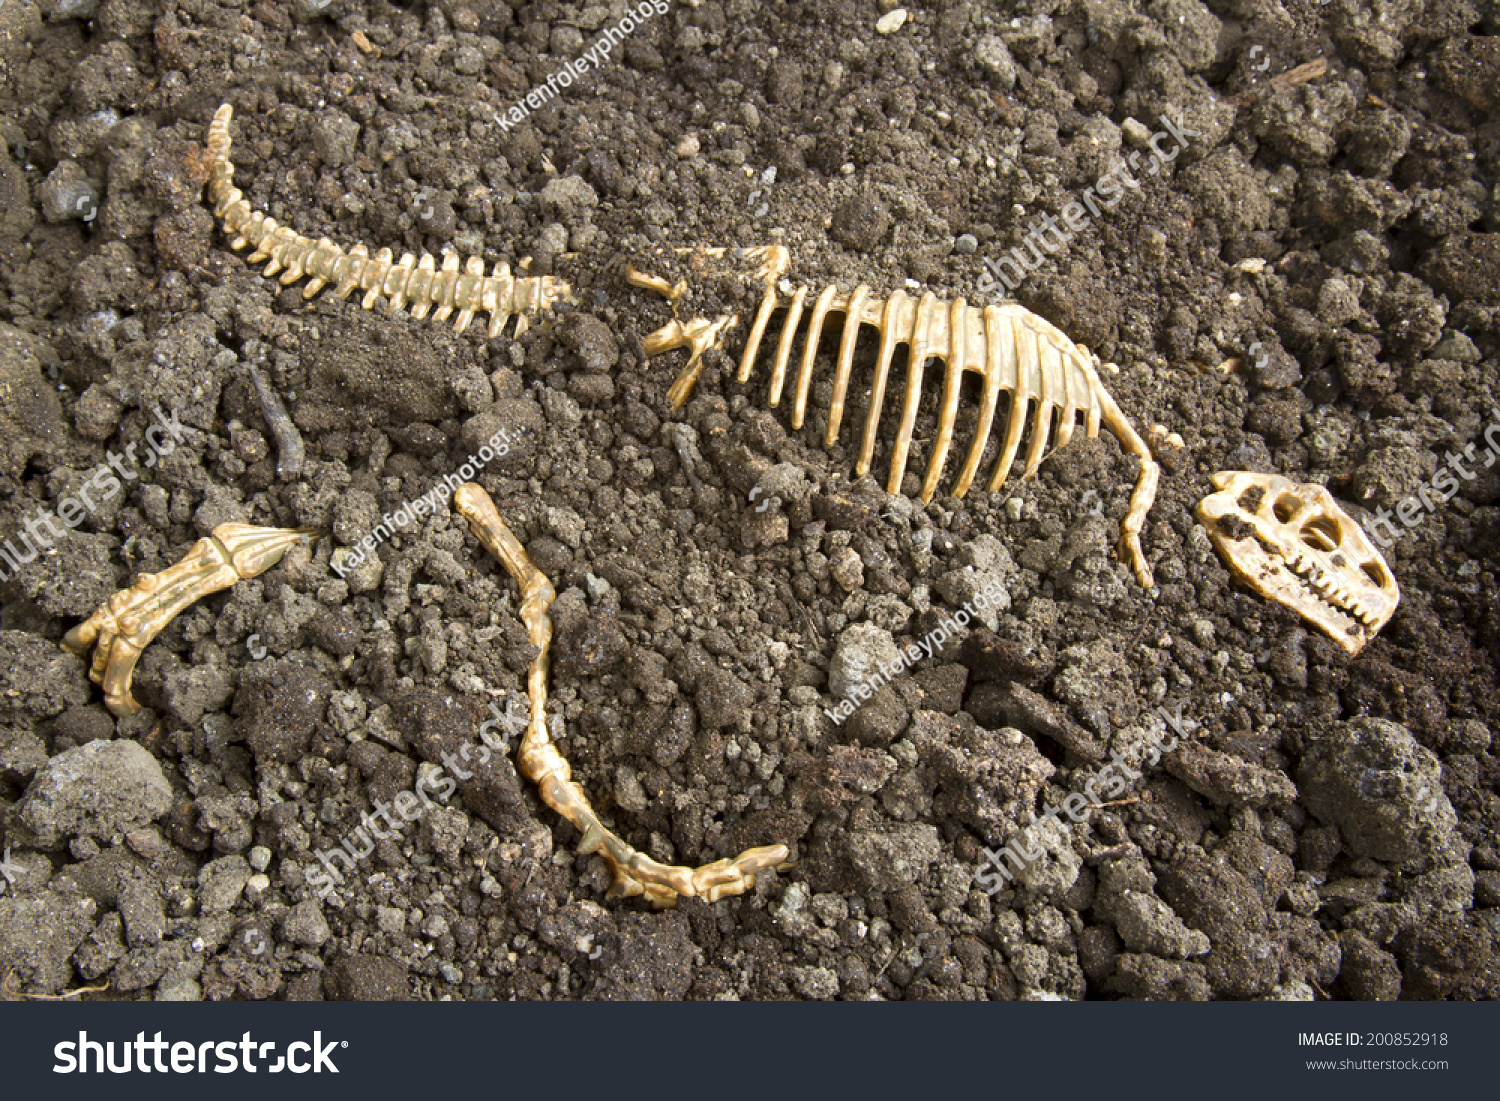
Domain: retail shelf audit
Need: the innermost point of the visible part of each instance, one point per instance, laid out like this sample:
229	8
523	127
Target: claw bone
125	625
540	762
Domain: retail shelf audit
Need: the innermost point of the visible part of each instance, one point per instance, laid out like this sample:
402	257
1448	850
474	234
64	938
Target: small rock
891	22
30	417
768	528
862	652
72	579
1145	923
278	707
568	199
1382	789
860	223
221	882
591	339
994	58
178	988
144	916
58	10
722	699
894	856
370	979
305	924
99	790
67	194
1455	346
38	935
847	569
819	984
335	137
1227	779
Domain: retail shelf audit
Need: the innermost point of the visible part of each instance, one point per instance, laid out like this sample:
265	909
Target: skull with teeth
1294	545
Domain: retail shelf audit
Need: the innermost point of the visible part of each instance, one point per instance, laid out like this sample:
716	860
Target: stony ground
1312	288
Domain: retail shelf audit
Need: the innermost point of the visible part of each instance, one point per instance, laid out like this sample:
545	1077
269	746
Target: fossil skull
1294	545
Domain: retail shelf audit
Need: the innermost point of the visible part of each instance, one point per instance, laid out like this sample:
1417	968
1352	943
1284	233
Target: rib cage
418	283
1011	349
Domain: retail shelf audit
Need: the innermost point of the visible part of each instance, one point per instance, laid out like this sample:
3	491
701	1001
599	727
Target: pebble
994	58
966	245
221	882
847	569
891	22
305	924
66	194
97	790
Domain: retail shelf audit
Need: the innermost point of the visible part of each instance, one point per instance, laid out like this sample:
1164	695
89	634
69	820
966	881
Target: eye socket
1286	508
1374	573
1321	534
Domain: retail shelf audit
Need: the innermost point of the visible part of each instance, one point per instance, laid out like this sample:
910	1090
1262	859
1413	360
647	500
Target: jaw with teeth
1294	545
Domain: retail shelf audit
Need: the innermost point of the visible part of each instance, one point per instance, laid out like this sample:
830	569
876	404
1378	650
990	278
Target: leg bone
635	873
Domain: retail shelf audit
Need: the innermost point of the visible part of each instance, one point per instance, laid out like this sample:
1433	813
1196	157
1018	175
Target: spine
418	284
